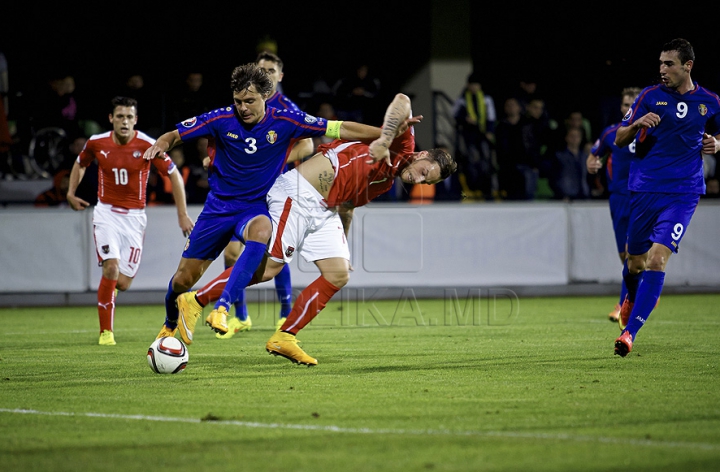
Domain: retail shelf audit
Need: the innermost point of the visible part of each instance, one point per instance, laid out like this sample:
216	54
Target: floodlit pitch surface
525	384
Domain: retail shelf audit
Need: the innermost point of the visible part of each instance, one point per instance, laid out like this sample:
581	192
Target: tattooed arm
394	123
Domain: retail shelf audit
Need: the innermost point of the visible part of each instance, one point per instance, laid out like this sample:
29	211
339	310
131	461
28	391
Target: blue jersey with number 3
246	160
668	157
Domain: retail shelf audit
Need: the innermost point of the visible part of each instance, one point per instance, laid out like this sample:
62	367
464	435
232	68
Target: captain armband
333	129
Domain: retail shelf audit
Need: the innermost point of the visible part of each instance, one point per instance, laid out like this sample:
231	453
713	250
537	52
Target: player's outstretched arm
163	144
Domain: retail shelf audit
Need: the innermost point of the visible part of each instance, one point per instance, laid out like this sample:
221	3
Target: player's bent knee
338	279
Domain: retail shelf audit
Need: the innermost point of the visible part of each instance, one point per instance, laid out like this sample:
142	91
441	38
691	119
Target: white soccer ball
167	356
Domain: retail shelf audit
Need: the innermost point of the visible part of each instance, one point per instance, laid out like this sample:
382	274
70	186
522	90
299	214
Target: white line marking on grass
415	432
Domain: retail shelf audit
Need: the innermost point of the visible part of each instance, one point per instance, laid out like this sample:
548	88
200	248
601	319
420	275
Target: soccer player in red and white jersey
119	218
305	205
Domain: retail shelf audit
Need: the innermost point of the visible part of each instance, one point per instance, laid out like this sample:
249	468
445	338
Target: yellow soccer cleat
235	325
166	332
189	311
217	320
107	338
285	345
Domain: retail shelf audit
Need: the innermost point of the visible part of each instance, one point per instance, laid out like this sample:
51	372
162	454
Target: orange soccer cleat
625	311
623	344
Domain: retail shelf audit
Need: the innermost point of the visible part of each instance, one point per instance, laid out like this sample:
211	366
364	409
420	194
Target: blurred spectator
475	117
5	137
325	110
55	105
4	83
538	134
517	171
195	177
525	92
57	195
575	119
569	179
354	95
160	190
189	100
153	100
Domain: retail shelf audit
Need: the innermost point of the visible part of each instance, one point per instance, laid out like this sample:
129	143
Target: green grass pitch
408	385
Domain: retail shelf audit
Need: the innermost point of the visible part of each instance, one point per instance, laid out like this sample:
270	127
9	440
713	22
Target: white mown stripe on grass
416	432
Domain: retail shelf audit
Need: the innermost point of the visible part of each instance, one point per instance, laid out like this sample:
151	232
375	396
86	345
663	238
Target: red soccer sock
309	303
213	289
106	303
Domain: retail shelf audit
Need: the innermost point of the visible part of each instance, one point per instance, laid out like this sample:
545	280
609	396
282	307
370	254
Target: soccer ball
167	356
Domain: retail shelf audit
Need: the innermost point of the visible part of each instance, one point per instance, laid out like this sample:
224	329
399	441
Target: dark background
581	57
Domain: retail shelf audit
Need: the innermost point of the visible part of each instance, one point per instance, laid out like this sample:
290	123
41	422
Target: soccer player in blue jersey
273	67
617	169
248	145
673	124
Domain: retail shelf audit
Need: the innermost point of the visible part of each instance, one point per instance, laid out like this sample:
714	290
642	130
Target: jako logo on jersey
310	119
272	137
137	154
232	135
189	123
702	109
289	251
657	104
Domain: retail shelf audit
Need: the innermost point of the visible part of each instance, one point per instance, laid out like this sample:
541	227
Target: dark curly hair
250	74
446	162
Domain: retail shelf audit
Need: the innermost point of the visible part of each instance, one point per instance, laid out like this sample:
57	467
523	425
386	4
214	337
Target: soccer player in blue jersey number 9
673	124
249	145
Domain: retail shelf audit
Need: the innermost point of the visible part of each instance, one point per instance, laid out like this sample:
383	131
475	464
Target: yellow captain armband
333	129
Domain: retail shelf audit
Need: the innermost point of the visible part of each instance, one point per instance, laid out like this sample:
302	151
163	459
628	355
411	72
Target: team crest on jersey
190	122
702	109
627	115
271	137
289	251
309	119
137	154
105	249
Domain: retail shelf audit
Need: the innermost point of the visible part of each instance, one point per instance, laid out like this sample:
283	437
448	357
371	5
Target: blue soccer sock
242	273
646	299
241	312
283	287
631	281
240	307
171	311
623	292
